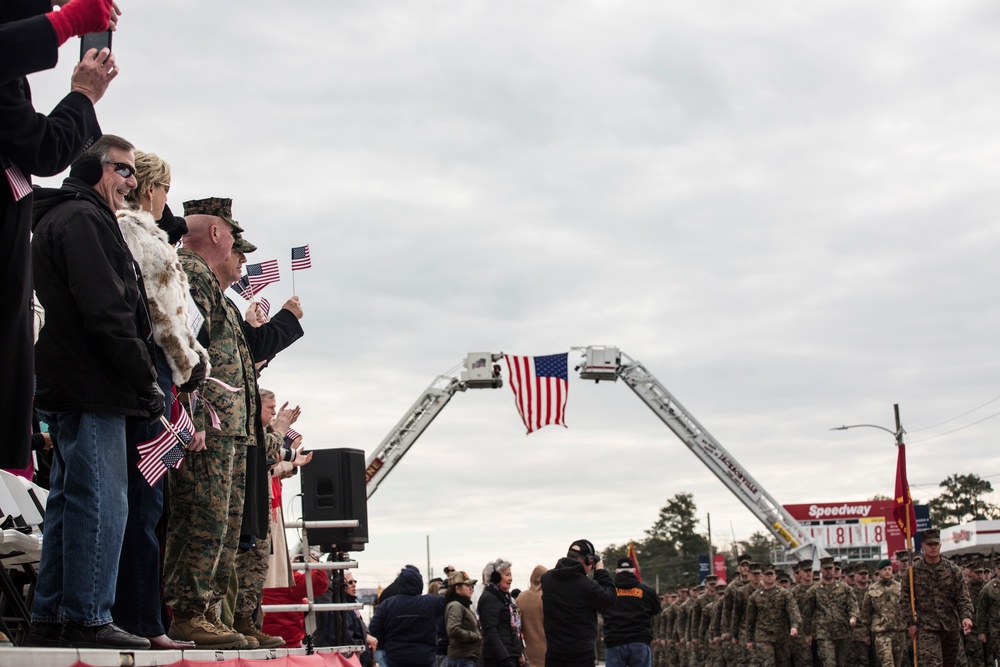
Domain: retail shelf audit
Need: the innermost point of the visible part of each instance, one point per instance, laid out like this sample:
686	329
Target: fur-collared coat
167	290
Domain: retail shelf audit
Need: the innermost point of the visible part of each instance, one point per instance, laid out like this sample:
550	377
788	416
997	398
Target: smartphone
95	40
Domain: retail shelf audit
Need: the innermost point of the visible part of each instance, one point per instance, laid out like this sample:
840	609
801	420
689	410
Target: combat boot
212	616
196	628
246	626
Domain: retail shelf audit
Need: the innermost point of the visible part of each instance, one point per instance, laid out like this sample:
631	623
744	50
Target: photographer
572	601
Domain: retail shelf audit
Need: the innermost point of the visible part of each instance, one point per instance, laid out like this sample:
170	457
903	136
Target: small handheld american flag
301	258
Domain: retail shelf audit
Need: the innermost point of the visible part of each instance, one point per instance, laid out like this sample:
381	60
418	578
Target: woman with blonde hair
150	232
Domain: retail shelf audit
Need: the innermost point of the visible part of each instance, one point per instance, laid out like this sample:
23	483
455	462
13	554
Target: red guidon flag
902	503
635	560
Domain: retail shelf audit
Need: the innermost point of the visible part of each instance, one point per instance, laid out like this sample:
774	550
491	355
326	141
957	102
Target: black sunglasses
123	169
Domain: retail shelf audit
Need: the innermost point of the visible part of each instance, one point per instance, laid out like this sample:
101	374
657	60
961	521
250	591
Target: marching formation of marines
838	616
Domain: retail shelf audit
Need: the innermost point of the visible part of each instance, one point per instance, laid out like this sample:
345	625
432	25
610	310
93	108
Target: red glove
78	17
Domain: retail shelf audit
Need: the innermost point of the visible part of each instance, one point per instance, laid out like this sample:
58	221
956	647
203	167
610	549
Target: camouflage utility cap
240	244
221	207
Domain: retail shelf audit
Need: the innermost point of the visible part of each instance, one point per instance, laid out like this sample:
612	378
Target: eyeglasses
350	582
165	186
123	169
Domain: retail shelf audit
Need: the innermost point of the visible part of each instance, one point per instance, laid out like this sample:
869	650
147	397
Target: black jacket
571	602
94	353
41	145
501	640
265	342
29	45
630	620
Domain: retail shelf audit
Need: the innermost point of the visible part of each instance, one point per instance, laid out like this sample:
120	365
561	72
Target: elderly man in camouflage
942	598
206	494
772	617
831	610
880	616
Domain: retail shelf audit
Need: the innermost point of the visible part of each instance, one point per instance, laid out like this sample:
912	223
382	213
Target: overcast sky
787	211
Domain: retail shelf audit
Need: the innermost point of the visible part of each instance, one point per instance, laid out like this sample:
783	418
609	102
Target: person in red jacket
291	625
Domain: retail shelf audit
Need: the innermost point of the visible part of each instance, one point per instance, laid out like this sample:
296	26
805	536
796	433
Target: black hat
625	563
582	548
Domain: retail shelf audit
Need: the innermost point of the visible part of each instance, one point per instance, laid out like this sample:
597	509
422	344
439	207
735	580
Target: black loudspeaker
333	489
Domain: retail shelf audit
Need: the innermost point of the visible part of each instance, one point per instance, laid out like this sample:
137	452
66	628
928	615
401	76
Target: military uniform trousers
801	652
889	648
833	652
858	654
938	648
251	570
203	533
770	654
975	650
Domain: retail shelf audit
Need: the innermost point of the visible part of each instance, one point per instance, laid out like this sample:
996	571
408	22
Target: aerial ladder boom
480	373
605	363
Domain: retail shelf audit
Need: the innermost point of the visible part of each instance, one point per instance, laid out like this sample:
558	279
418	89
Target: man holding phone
32	143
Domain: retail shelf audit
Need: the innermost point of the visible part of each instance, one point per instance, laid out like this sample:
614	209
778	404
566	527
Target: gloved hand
198	374
78	17
151	400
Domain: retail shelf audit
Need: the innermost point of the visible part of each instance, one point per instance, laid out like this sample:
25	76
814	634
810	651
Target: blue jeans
636	654
84	519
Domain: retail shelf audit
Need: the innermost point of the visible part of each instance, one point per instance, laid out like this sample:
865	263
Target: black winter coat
630	620
500	639
572	601
94	353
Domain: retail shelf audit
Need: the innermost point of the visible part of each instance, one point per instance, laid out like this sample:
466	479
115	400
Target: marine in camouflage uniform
716	646
670	627
696	627
729	648
943	605
772	617
880	616
801	651
988	616
743	655
831	611
979	572
207	492
859	653
680	628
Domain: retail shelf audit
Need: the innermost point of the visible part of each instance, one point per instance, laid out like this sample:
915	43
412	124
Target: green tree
759	547
962	500
677	525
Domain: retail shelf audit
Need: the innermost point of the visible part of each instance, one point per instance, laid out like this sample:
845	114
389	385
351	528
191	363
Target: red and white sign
867	523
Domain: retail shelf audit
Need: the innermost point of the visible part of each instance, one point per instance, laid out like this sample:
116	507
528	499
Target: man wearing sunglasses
942	598
94	368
